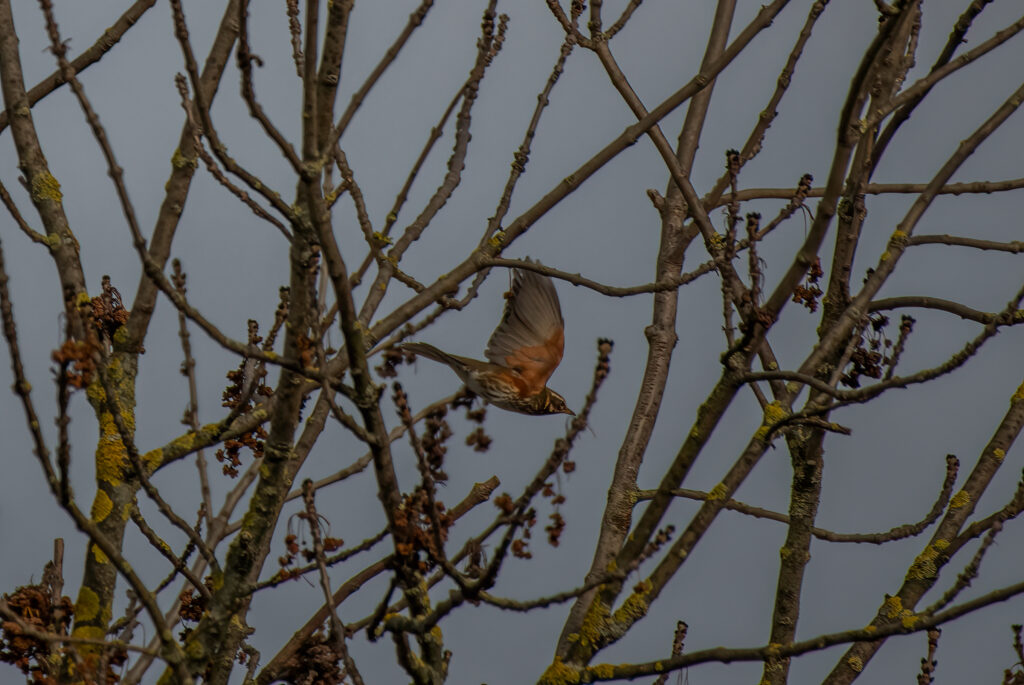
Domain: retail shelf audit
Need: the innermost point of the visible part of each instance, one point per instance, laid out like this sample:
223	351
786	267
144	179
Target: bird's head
553	403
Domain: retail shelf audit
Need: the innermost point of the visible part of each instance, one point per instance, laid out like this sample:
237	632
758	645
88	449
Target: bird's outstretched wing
531	335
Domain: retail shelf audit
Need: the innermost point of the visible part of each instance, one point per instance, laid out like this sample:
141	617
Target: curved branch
94	53
897	533
610	290
937	303
244	60
924	84
914	624
972	187
480	493
1013	246
415	19
202	107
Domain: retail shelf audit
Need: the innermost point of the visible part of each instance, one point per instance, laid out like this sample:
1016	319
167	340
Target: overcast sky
886	474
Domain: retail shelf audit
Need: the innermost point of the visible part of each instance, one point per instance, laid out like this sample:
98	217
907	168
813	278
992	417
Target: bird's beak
568	411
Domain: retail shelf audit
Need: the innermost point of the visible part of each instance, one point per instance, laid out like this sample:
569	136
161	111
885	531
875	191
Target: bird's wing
531	336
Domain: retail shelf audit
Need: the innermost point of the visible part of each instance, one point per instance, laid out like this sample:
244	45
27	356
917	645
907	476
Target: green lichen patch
924	566
594	624
183	443
111	455
46	187
101	506
893	606
180	161
88	605
194	650
636	605
559	673
152	459
89	632
99	555
95	391
602	671
773	414
960	499
719	492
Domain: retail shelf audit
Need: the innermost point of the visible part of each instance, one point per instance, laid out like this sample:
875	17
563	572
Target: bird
523	351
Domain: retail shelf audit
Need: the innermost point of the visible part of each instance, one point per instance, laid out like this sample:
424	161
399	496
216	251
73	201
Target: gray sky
887	473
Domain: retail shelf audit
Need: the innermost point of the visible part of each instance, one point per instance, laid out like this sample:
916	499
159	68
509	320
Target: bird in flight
523	351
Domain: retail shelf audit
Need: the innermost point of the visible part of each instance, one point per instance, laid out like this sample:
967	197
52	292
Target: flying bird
523	351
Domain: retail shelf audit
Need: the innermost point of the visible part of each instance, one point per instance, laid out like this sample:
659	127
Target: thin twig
337	627
898	533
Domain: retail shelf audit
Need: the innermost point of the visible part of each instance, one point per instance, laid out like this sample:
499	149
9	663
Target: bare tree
172	573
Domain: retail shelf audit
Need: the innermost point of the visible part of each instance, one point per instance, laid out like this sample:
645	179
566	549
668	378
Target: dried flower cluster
296	547
316	662
75	358
414	529
808	293
874	350
392	358
247	382
35	610
108	312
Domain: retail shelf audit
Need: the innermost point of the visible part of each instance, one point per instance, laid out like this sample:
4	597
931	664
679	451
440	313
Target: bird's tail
431	352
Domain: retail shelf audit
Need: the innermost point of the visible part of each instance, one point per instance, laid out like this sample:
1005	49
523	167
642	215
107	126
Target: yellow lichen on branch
46	187
101	506
111	454
960	499
559	673
88	605
774	413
